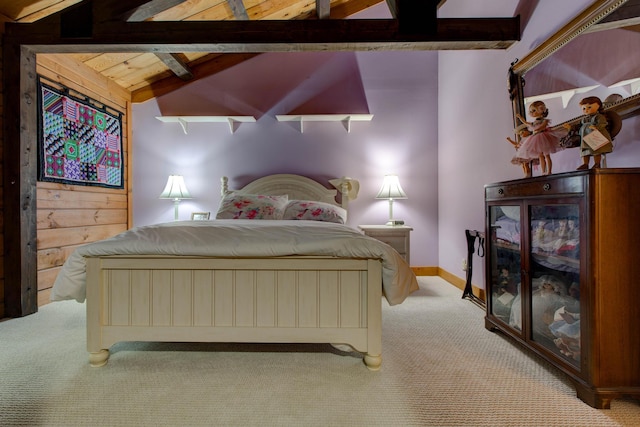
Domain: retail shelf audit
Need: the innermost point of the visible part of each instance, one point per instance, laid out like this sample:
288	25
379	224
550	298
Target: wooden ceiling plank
41	14
83	57
270	9
238	9
106	61
30	10
118	10
196	57
290	11
71	72
176	65
186	10
219	12
142	65
351	7
149	9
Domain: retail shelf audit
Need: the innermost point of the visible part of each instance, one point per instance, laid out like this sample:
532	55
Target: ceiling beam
393	8
323	9
269	36
238	9
417	16
149	9
176	65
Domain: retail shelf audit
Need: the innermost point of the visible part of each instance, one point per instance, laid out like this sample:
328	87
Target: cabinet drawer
396	242
395	236
543	186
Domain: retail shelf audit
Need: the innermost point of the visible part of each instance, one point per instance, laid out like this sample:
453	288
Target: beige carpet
440	368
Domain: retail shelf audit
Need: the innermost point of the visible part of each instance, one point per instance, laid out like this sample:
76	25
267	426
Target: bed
283	280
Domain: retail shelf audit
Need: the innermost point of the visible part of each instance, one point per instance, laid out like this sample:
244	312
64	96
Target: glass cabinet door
555	279
506	304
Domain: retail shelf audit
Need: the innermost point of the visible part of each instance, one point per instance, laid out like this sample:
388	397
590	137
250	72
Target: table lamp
391	190
176	190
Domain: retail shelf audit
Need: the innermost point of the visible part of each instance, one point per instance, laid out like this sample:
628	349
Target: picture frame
200	216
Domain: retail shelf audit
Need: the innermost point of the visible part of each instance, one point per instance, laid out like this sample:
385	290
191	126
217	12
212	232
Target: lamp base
393	222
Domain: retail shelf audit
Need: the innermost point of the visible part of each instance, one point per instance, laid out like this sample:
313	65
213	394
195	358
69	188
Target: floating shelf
185	120
346	119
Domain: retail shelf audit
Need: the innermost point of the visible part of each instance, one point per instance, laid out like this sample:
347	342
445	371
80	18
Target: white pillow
251	206
314	211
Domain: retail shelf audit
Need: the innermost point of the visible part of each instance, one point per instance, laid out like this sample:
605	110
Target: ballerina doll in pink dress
543	141
523	133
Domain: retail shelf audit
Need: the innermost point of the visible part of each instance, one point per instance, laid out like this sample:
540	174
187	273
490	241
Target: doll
523	132
594	120
540	237
542	142
546	299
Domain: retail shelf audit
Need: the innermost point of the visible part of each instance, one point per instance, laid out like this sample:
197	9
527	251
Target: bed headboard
299	187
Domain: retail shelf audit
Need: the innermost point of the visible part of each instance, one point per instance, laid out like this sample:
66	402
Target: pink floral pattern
251	206
314	211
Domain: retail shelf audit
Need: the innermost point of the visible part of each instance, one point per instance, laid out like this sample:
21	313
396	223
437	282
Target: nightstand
396	236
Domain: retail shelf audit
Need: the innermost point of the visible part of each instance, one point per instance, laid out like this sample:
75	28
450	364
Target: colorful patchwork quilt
79	144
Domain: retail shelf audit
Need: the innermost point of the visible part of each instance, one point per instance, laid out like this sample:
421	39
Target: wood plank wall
2	308
72	215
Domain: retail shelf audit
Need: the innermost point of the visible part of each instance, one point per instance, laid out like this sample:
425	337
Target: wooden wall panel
72	215
2	309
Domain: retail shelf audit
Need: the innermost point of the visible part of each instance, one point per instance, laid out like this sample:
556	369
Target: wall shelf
346	119
233	121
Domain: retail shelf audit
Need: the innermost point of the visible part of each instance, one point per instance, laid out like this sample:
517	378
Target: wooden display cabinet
562	273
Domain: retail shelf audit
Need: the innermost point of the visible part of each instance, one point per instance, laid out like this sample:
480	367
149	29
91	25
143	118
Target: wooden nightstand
396	236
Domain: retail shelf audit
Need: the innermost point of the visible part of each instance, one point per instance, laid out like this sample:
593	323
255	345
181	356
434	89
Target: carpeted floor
440	368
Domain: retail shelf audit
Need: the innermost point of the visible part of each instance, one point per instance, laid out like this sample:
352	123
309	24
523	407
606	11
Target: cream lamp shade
176	190
391	189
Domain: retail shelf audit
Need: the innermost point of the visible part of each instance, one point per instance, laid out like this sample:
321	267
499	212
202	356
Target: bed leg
99	358
373	362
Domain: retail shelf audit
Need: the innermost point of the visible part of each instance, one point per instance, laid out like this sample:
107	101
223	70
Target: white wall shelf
233	121
346	119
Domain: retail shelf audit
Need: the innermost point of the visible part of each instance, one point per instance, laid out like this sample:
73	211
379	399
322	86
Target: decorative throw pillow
314	211
251	206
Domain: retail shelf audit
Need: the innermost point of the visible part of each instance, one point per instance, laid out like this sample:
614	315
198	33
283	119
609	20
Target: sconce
176	190
391	190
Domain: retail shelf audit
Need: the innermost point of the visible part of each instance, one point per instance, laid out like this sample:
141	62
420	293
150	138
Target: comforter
240	238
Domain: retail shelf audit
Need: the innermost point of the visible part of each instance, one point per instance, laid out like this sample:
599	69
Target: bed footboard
261	300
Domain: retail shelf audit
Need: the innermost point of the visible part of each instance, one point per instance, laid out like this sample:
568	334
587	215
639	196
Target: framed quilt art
79	143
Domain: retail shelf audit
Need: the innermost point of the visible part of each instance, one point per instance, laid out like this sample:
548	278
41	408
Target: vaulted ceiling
146	74
149	73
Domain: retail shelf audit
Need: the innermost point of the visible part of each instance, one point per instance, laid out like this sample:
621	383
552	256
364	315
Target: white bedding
240	238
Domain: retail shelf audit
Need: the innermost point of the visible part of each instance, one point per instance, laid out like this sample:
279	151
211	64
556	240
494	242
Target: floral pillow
314	211
251	206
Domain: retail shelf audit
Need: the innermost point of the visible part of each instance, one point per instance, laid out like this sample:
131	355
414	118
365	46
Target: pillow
314	211
251	206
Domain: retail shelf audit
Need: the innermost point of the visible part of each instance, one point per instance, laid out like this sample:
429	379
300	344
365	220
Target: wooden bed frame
297	299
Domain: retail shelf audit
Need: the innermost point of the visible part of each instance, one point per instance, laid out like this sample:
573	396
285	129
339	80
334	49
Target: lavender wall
399	88
440	122
475	118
